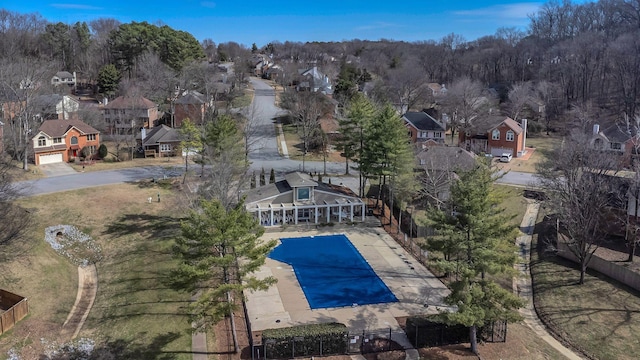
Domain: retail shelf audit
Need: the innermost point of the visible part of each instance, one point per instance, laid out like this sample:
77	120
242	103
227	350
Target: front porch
315	213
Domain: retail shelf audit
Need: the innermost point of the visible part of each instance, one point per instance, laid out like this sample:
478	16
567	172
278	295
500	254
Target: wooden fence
17	308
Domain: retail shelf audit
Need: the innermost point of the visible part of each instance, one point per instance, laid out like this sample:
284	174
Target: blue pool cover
331	272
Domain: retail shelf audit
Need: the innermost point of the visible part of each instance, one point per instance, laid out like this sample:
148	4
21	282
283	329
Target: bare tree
520	96
21	81
578	179
306	109
464	102
251	127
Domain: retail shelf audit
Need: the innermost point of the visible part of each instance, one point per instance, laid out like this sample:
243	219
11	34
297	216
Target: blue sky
249	21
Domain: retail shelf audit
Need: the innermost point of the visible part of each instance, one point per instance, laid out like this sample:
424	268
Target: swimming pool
331	272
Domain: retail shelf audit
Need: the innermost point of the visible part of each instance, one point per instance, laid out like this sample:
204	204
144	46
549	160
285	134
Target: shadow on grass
123	349
152	225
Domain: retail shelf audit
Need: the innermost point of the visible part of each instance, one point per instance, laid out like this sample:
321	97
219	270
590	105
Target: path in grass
522	283
87	290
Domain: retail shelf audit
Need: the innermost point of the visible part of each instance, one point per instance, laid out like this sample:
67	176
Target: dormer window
510	135
303	193
42	141
495	134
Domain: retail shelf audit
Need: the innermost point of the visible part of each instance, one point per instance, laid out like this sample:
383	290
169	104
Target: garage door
497	152
50	158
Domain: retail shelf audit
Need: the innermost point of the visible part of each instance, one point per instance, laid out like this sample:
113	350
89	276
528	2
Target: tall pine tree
220	250
477	239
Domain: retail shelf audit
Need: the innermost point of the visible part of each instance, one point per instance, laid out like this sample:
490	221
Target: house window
495	135
42	141
598	143
303	193
509	135
165	147
106	111
615	146
57	140
437	134
91	137
423	134
74	140
91	149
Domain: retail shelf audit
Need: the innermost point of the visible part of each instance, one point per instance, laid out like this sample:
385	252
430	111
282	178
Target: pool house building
298	199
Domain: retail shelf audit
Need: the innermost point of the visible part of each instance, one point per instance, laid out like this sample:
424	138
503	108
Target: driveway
56	169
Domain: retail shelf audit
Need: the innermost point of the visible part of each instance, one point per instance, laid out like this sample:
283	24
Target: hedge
306	340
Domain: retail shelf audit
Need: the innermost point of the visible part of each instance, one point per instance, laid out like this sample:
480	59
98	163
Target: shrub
306	340
102	151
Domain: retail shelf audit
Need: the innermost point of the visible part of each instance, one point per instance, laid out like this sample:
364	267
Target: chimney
523	124
596	129
143	133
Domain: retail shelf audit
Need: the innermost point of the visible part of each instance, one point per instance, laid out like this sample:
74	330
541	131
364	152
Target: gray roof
281	192
447	158
423	121
191	97
64	74
161	135
615	133
298	179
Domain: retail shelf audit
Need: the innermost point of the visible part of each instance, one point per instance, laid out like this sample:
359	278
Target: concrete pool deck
284	305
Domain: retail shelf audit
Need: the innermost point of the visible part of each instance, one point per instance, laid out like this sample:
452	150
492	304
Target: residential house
161	141
618	140
298	199
64	78
63	140
437	90
192	105
316	81
55	106
423	127
440	166
495	135
126	113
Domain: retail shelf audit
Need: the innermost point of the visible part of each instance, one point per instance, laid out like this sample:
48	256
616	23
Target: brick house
192	105
63	140
423	127
125	113
495	135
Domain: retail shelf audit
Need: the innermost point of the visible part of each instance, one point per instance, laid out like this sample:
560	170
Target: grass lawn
136	314
295	147
601	317
542	144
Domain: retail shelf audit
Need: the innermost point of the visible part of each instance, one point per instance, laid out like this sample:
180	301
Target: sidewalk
522	283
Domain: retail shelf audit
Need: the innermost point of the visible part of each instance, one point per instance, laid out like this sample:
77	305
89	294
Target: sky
261	22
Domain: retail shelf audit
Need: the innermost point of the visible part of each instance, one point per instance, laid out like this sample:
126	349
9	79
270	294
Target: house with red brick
192	105
64	140
423	127
495	135
125	113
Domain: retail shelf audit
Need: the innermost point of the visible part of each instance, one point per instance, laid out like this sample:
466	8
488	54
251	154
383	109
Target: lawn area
136	314
601	317
295	147
543	144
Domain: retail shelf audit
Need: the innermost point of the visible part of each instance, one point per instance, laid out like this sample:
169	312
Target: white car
505	157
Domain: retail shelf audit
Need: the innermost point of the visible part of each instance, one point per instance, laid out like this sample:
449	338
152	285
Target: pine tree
272	176
477	239
253	180
359	114
219	251
191	140
263	179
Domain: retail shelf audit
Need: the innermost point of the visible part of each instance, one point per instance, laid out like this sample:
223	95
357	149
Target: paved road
264	152
91	179
519	179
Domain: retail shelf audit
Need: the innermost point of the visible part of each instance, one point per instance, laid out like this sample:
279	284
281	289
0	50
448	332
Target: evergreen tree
477	239
359	114
108	79
272	176
220	250
253	180
263	178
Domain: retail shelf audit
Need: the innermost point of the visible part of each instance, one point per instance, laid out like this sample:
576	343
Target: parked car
505	157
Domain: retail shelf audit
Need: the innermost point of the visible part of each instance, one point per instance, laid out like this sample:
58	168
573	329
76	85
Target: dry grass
295	147
542	144
136	314
600	317
18	174
140	162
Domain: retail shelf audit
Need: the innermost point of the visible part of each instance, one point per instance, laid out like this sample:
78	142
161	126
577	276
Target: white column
316	218
328	209
271	218
339	213
362	212
295	214
284	213
351	214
